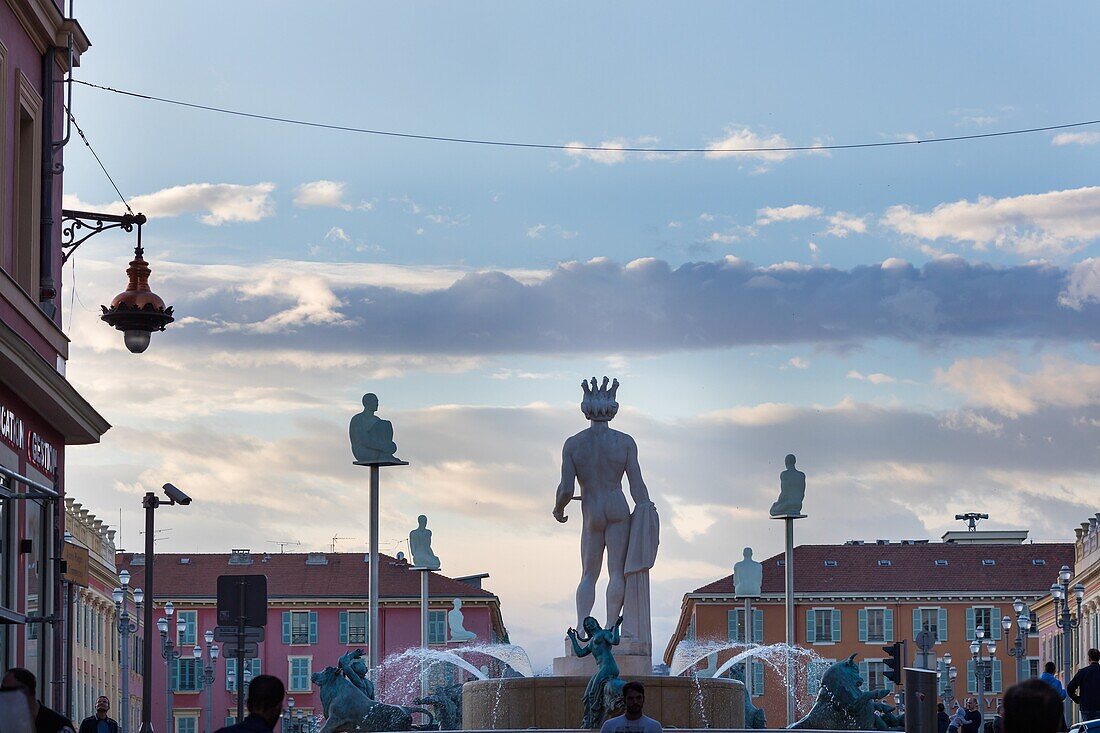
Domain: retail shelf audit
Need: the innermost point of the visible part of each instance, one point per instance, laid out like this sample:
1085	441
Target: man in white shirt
632	721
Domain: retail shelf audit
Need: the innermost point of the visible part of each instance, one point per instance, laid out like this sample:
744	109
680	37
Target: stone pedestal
558	702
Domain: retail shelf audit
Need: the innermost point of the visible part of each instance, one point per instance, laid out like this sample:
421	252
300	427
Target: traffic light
894	662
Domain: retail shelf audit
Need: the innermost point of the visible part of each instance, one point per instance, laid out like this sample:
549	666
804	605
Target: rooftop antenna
336	538
156	532
971	519
283	544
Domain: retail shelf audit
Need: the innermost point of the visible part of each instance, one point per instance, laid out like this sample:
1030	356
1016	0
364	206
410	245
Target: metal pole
69	621
423	628
168	659
150	503
209	679
373	637
979	682
124	632
748	643
1067	653
789	602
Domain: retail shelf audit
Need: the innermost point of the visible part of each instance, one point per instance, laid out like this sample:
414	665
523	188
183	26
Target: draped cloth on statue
641	554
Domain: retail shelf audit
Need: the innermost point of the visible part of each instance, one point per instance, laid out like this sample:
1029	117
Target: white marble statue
455	620
747	576
597	458
420	545
792	490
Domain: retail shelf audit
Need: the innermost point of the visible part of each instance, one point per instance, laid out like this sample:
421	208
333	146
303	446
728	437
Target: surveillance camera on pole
176	496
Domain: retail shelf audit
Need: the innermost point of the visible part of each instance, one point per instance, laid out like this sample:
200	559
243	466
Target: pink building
317	611
40	411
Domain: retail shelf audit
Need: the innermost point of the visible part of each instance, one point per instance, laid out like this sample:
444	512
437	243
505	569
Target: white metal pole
748	643
789	601
423	628
373	637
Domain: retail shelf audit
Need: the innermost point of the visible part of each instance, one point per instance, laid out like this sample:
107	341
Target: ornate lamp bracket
73	222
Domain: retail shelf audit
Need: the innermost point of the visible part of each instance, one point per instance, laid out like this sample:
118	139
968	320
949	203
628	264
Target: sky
918	323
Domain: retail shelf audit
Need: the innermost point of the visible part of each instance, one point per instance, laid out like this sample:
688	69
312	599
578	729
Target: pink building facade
317	611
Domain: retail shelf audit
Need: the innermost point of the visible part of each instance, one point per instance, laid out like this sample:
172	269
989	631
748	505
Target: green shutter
888	625
916	622
312	627
255	666
731	626
230	672
970	681
343	627
865	673
758	627
941	625
811	630
995	622
174	673
286	627
757	679
863	625
970	625
836	624
996	677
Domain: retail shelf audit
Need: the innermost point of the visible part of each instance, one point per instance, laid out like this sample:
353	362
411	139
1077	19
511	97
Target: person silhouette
371	436
792	490
420	545
747	576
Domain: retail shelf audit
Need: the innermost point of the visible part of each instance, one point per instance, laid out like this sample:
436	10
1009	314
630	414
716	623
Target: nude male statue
792	490
598	457
371	436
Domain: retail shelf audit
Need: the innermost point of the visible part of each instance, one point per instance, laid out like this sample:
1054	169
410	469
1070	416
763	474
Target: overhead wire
97	159
580	148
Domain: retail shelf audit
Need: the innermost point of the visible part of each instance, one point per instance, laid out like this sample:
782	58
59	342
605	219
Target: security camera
175	495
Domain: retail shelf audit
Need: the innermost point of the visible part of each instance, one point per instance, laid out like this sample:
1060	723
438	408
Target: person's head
102	705
971	704
22	680
1032	706
633	698
789	460
1049	667
939	707
1094	655
265	697
370	401
748	553
591	625
422	521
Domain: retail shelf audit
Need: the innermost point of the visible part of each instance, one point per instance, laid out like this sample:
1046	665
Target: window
884	563
831	563
1033	668
735	626
941	563
823	625
437	627
874	673
989	563
1039	562
26	194
299	627
876	625
187	724
1034	631
988	617
992	681
690	633
931	619
354	626
300	670
252	669
815	670
188	675
186	628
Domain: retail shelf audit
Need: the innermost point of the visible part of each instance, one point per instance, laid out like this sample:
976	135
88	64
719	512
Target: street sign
249	650
228	634
925	640
242	597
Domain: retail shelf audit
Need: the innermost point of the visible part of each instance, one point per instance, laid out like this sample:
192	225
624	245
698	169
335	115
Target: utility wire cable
101	166
581	148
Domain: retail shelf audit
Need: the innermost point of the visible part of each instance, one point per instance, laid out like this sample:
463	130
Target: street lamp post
982	651
1023	628
1067	622
150	502
951	673
209	668
171	654
126	626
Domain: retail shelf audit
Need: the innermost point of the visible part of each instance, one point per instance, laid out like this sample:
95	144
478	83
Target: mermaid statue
605	690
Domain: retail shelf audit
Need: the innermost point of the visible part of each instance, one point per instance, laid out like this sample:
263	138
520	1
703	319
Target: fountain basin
558	702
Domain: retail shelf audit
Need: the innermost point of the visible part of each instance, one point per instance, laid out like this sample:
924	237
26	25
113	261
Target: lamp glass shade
979	632
974	646
196	652
136	341
124	578
1058	592
208	637
162	626
1006	622
953	673
992	649
1025	623
1018	606
1079	591
118	595
947	659
169	608
214	651
139	596
1065	574
290	702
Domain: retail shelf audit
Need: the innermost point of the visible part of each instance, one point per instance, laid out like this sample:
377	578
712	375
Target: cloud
1083	284
743	142
873	378
798	362
794	212
221	202
1051	223
841	224
338	234
321	193
997	383
536	231
1076	138
611	152
645	307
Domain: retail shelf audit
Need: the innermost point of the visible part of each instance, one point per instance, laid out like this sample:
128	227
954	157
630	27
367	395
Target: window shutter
757	679
863	625
343	627
286	627
888	625
916	622
758	629
836	624
174	670
312	627
230	673
255	665
941	625
731	625
864	672
995	622
970	676
811	630
970	625
996	677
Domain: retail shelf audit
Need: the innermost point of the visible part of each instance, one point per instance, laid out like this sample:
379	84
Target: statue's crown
599	402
